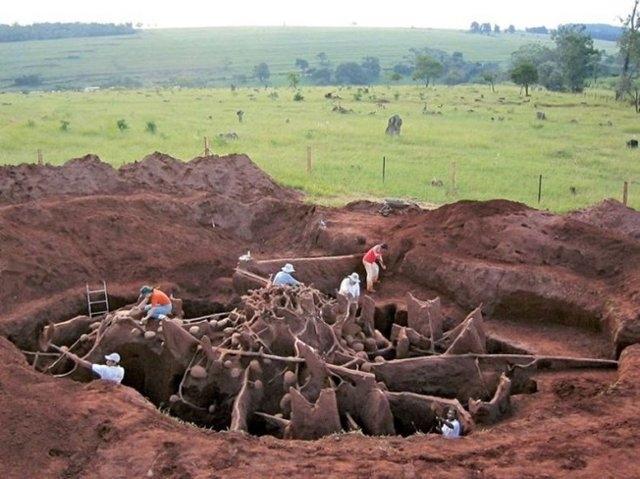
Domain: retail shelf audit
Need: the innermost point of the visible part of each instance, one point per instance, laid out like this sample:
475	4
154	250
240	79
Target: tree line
49	31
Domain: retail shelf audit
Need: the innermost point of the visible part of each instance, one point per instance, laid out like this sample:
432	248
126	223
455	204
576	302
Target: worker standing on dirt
350	287
284	278
111	371
370	261
160	303
450	427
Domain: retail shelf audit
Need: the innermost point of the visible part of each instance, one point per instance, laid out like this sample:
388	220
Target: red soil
559	284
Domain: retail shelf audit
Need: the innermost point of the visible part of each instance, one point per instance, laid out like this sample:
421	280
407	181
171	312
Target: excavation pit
580	269
297	364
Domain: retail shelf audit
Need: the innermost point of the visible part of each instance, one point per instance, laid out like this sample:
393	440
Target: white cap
355	277
288	268
115	357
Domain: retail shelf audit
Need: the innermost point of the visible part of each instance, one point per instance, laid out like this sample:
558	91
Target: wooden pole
40	162
539	188
384	168
453	177
625	193
207	152
309	162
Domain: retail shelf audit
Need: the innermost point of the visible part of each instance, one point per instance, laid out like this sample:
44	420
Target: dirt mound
233	176
612	217
81	176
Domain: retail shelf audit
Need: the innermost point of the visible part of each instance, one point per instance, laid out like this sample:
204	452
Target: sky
396	13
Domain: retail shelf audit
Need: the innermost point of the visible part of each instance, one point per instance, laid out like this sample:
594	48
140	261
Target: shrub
64	125
122	125
28	80
298	96
152	127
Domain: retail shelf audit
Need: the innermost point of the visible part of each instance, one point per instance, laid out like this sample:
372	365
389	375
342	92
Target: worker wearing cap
350	287
111	371
160	303
283	277
370	261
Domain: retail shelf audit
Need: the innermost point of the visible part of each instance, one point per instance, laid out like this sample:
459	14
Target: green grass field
581	145
212	56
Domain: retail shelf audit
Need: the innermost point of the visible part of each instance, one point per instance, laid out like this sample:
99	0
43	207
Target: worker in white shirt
450	427
111	371
350	287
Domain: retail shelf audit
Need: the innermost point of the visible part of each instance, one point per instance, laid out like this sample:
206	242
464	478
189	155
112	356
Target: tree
321	76
371	67
576	55
511	29
261	72
426	69
351	73
550	76
490	77
485	28
496	28
302	65
294	79
629	45
395	77
475	27
403	69
524	74
323	59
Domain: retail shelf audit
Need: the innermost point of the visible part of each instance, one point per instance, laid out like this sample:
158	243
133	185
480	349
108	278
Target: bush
64	125
152	127
298	96
122	125
28	80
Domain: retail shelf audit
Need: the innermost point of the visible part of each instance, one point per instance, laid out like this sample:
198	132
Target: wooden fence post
453	177
40	161
625	193
309	160
207	151
384	168
539	189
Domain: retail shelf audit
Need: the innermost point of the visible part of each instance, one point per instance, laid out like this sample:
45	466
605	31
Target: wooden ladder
97	301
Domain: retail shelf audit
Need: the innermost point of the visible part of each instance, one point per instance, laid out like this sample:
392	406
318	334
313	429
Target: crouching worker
450	427
350	287
154	302
370	261
111	371
284	277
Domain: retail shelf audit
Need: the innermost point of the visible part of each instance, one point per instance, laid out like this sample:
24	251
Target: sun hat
146	289
288	268
113	357
355	277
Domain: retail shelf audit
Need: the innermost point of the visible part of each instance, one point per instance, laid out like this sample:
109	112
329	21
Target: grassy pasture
212	56
580	149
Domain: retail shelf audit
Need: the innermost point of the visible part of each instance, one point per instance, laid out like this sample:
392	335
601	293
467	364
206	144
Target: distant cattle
228	136
633	143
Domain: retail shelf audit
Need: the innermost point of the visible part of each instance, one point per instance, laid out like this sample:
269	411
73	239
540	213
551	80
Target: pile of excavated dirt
183	225
233	176
612	217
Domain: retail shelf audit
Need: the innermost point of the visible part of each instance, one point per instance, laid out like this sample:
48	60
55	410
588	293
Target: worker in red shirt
370	261
155	302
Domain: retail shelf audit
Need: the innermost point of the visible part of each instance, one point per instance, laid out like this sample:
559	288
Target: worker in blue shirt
283	277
